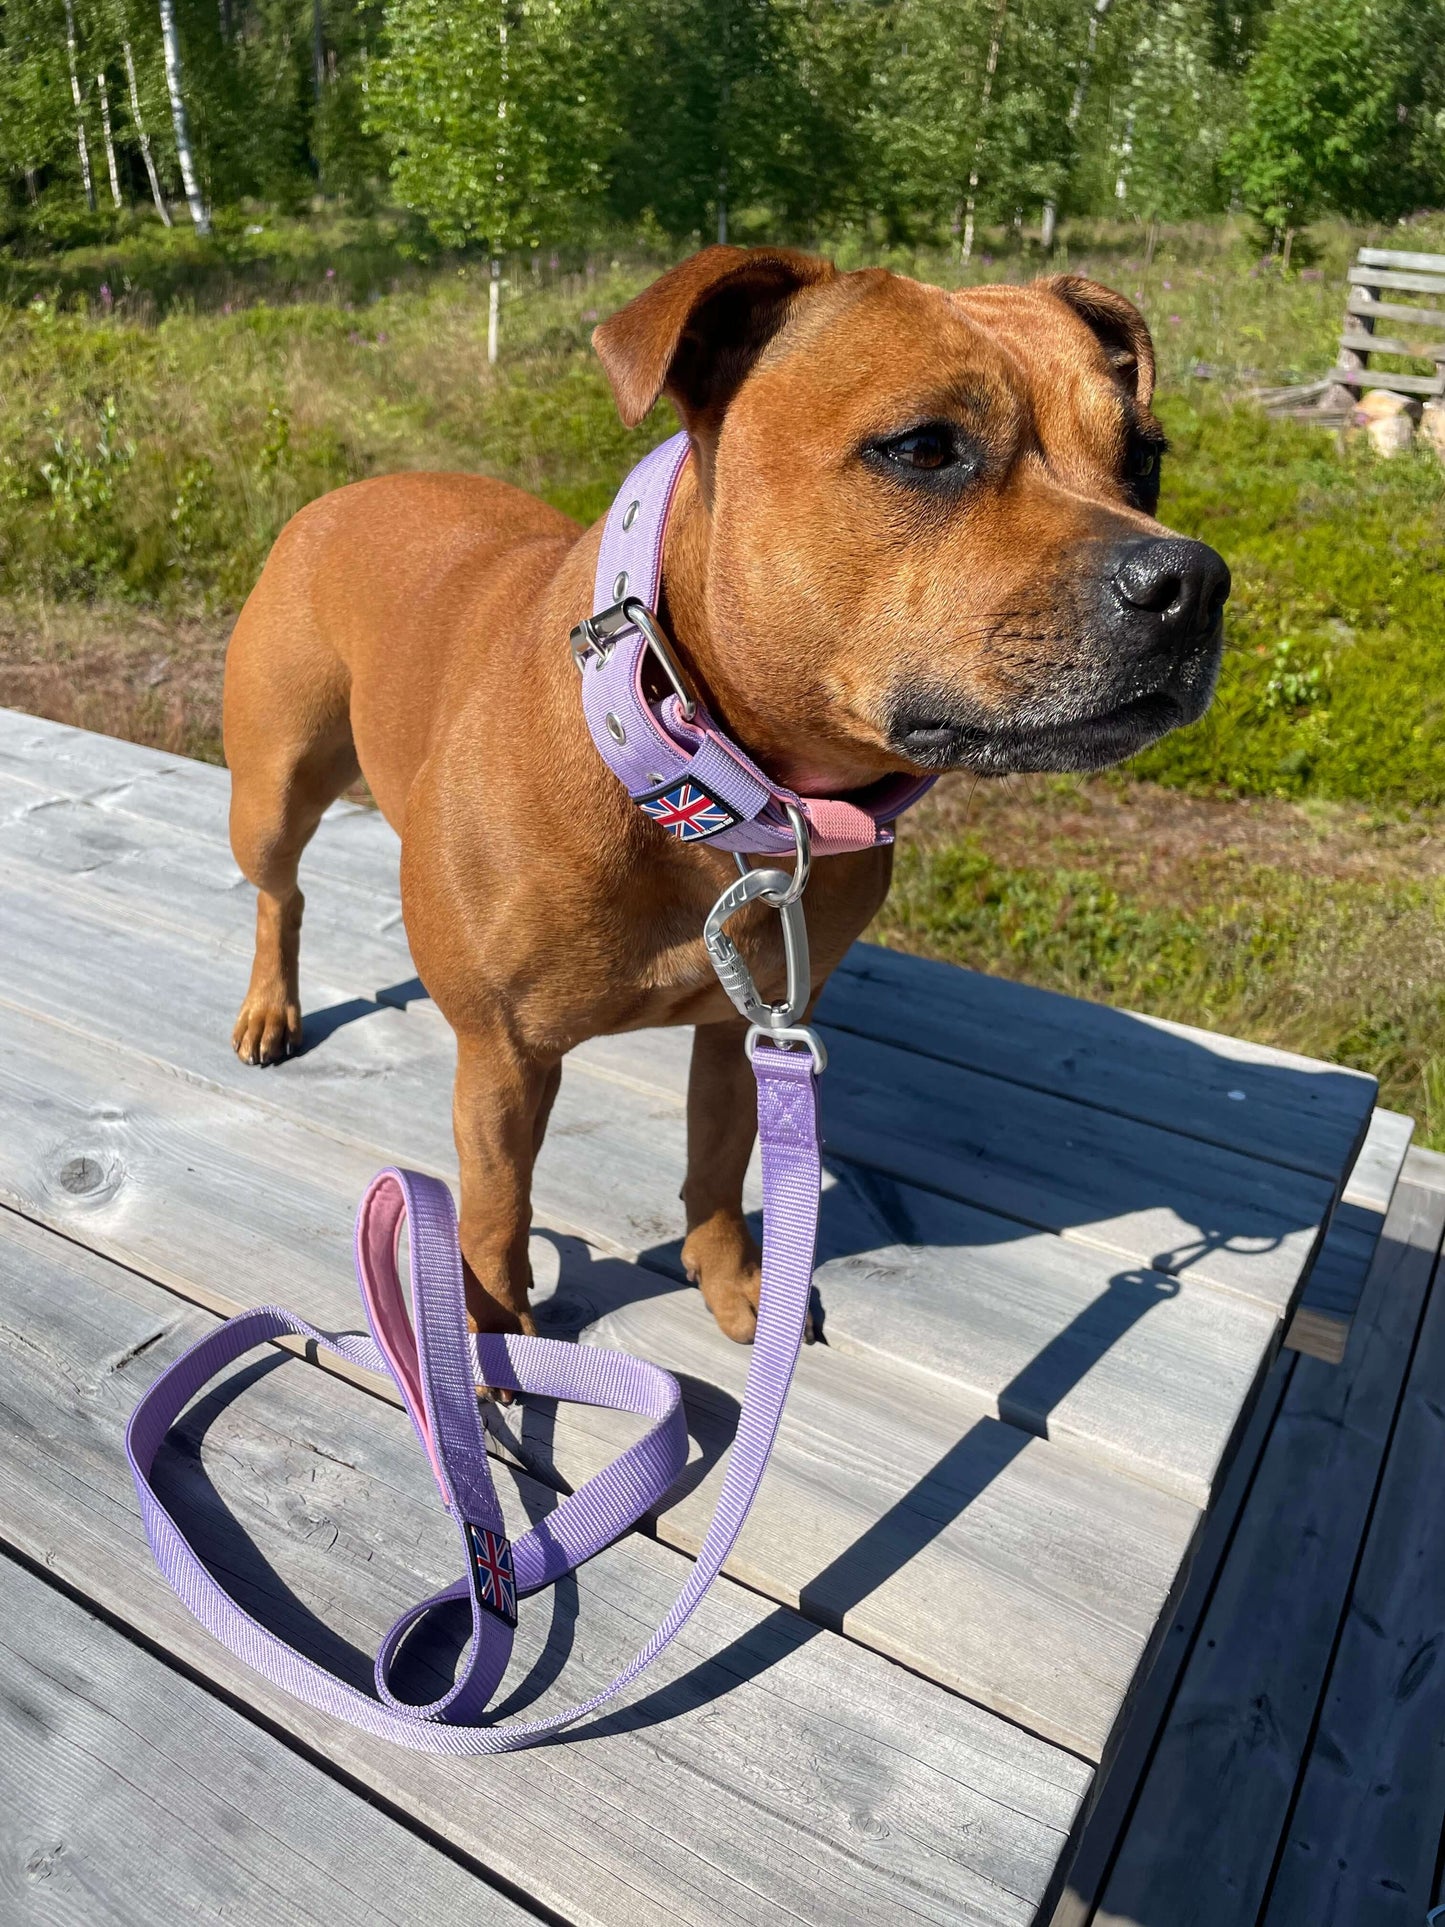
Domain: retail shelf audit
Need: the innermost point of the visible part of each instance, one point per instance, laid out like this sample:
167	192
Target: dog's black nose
1171	589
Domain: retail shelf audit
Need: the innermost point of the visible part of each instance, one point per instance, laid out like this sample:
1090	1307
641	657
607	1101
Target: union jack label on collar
494	1581
688	811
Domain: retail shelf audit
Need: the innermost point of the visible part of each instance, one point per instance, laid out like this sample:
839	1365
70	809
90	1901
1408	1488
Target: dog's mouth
939	737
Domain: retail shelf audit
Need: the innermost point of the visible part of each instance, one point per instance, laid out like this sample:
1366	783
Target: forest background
254	249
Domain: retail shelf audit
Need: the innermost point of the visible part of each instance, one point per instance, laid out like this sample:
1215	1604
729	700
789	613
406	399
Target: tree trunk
1076	107
32	188
109	142
725	100
225	13
494	290
318	50
143	137
995	40
1126	148
170	39
494	311
81	143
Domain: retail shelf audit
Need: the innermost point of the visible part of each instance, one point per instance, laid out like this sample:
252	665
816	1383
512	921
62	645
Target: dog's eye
1142	467
934	453
931	447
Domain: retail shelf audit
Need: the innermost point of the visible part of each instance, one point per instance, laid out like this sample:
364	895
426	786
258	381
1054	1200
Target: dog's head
930	531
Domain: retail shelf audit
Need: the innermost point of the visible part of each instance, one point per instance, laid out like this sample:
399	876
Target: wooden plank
767	1772
1148	1372
133	784
1242	1722
1260	1252
1013	1569
845	1540
1112	1796
955	1014
1402	258
1364	1838
1251	1097
1387	345
1361	303
1402	283
1322	1319
1376	1170
165	879
1425	1168
1321	1323
1354	377
1174	1205
1168	1202
129	1794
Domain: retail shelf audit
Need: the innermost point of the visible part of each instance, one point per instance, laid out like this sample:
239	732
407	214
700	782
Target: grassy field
1274	871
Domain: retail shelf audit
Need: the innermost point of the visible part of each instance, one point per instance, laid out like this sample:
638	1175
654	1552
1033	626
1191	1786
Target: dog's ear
696	332
1121	329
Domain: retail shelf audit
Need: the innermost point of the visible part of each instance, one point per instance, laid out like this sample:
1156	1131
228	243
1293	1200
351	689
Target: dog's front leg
720	1253
500	1107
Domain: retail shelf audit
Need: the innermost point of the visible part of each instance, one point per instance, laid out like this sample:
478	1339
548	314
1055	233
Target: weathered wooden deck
1061	1247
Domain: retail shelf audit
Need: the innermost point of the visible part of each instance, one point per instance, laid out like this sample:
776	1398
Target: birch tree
180	120
492	128
990	69
1097	11
142	137
104	97
82	144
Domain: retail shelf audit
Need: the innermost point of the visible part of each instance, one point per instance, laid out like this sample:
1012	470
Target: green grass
159	460
1334	678
1352	970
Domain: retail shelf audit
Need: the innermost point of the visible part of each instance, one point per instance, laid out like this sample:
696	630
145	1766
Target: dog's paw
727	1269
723	1262
486	1314
267	1030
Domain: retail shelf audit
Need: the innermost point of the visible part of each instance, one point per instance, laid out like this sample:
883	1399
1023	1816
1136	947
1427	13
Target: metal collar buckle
595	636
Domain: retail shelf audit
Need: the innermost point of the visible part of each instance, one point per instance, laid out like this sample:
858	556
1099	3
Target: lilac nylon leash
450	1361
697	786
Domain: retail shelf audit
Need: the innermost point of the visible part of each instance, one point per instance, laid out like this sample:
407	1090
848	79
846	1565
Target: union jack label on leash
493	1578
687	811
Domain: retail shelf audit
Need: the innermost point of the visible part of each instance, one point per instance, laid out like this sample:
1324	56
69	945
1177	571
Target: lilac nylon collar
686	773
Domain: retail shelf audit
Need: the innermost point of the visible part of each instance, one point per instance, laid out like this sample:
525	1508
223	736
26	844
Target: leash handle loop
428	1370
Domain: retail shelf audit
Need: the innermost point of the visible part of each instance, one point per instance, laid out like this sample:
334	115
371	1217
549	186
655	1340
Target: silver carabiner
771	887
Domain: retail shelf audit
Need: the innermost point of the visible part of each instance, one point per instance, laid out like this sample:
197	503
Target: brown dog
917	534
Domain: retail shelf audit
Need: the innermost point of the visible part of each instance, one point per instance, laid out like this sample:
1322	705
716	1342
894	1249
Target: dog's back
323	683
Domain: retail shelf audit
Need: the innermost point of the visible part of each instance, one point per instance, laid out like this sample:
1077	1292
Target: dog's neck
801	752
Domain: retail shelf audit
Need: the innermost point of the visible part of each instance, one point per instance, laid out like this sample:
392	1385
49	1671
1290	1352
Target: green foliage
491	116
1348	971
508	124
1334	674
739	109
1342	104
